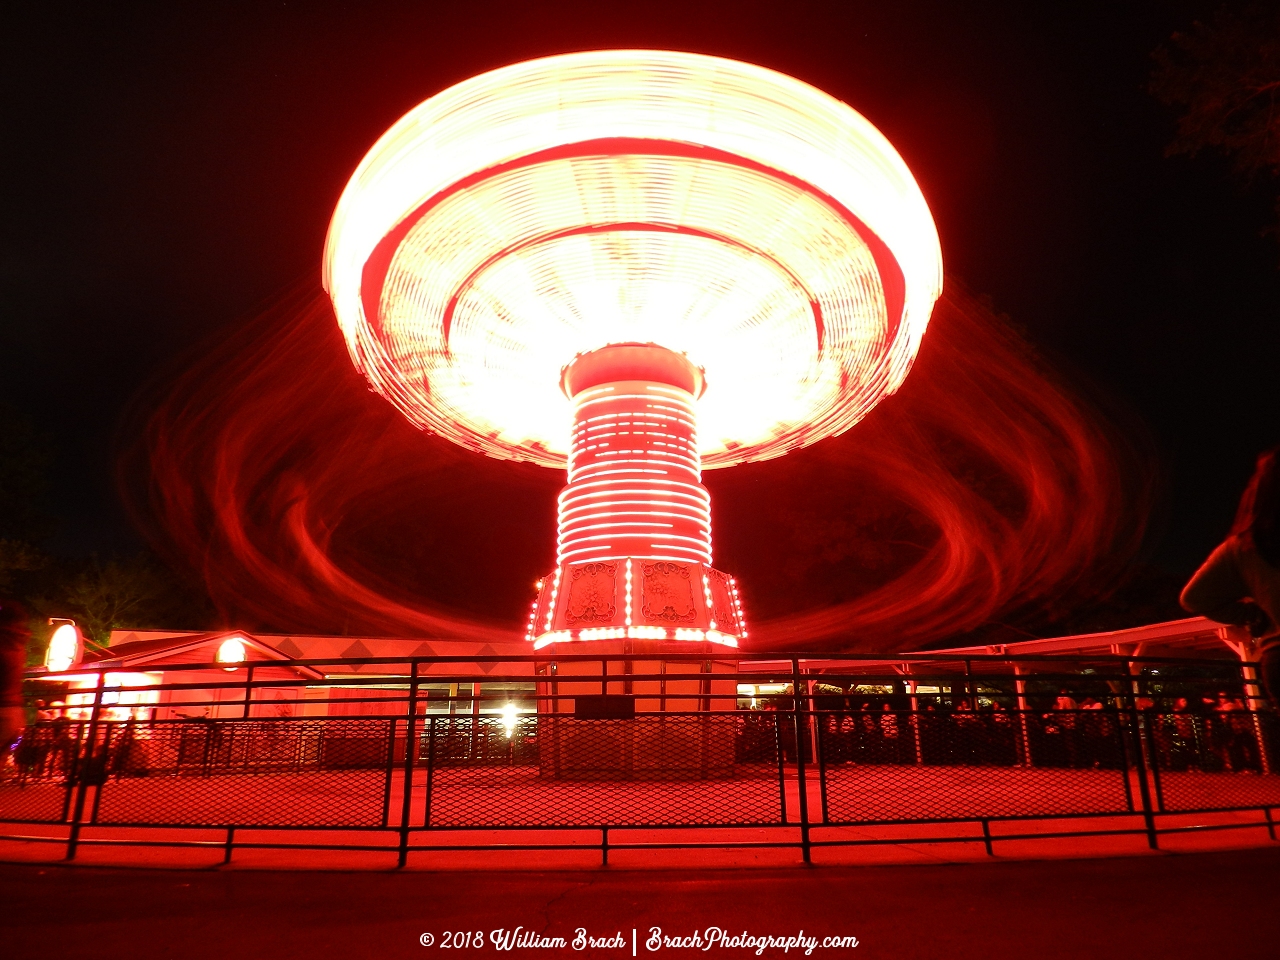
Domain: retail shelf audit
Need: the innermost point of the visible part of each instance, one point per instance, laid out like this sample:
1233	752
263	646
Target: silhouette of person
1240	582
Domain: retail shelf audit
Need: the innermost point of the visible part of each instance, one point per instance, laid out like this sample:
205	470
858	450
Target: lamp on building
509	719
231	650
66	646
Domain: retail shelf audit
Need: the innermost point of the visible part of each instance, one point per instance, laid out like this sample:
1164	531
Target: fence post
1125	765
1252	694
704	720
248	692
819	757
411	730
914	720
1139	760
813	719
780	754
1020	687
797	684
431	769
82	764
389	771
475	720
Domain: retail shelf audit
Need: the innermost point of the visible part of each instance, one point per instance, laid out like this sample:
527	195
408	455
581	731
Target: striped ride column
634	471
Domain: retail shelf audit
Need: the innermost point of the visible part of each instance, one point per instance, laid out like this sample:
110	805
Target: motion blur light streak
1000	489
269	471
633	227
630	220
1031	498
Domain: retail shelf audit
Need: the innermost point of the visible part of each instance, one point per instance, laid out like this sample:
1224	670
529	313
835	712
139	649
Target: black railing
435	754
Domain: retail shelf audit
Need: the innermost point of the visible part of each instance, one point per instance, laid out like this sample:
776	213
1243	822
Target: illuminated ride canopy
754	255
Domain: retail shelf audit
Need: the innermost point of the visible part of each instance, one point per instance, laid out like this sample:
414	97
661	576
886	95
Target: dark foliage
1223	78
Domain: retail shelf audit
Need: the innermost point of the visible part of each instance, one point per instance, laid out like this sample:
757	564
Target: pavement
1217	905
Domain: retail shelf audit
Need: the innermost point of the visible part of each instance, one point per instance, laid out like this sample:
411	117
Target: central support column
633	554
634	471
633	576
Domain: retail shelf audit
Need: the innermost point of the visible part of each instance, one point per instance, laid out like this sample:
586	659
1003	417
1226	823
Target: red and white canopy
717	208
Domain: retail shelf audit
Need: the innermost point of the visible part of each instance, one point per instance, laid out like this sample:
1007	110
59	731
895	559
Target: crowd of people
1206	733
1210	734
1069	734
59	750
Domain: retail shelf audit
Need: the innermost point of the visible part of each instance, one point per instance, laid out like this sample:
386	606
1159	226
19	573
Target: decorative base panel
637	599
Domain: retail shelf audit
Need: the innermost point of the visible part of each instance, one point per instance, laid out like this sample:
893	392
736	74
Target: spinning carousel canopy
728	212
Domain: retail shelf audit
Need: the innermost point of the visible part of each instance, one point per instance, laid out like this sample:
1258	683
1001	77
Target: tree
24	461
122	593
1223	78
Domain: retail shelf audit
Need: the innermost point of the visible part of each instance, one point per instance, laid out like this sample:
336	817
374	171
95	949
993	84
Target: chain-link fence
903	765
819	750
663	770
37	784
198	773
1214	760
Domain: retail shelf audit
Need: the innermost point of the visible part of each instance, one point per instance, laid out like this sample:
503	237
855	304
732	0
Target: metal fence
439	755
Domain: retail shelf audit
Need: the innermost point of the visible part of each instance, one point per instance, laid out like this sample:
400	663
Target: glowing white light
116	705
627	619
554	206
533	617
706	595
646	633
601	633
555	636
231	650
737	608
551	604
64	648
716	636
509	719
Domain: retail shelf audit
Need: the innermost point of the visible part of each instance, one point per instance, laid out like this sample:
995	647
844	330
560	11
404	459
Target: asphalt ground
1217	905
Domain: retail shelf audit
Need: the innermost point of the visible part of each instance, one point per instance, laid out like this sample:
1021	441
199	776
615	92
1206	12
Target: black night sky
170	168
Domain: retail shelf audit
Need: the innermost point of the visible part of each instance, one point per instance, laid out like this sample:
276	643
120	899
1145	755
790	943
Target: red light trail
269	471
736	220
636	265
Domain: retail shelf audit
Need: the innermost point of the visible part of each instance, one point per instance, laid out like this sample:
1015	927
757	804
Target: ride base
642	719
